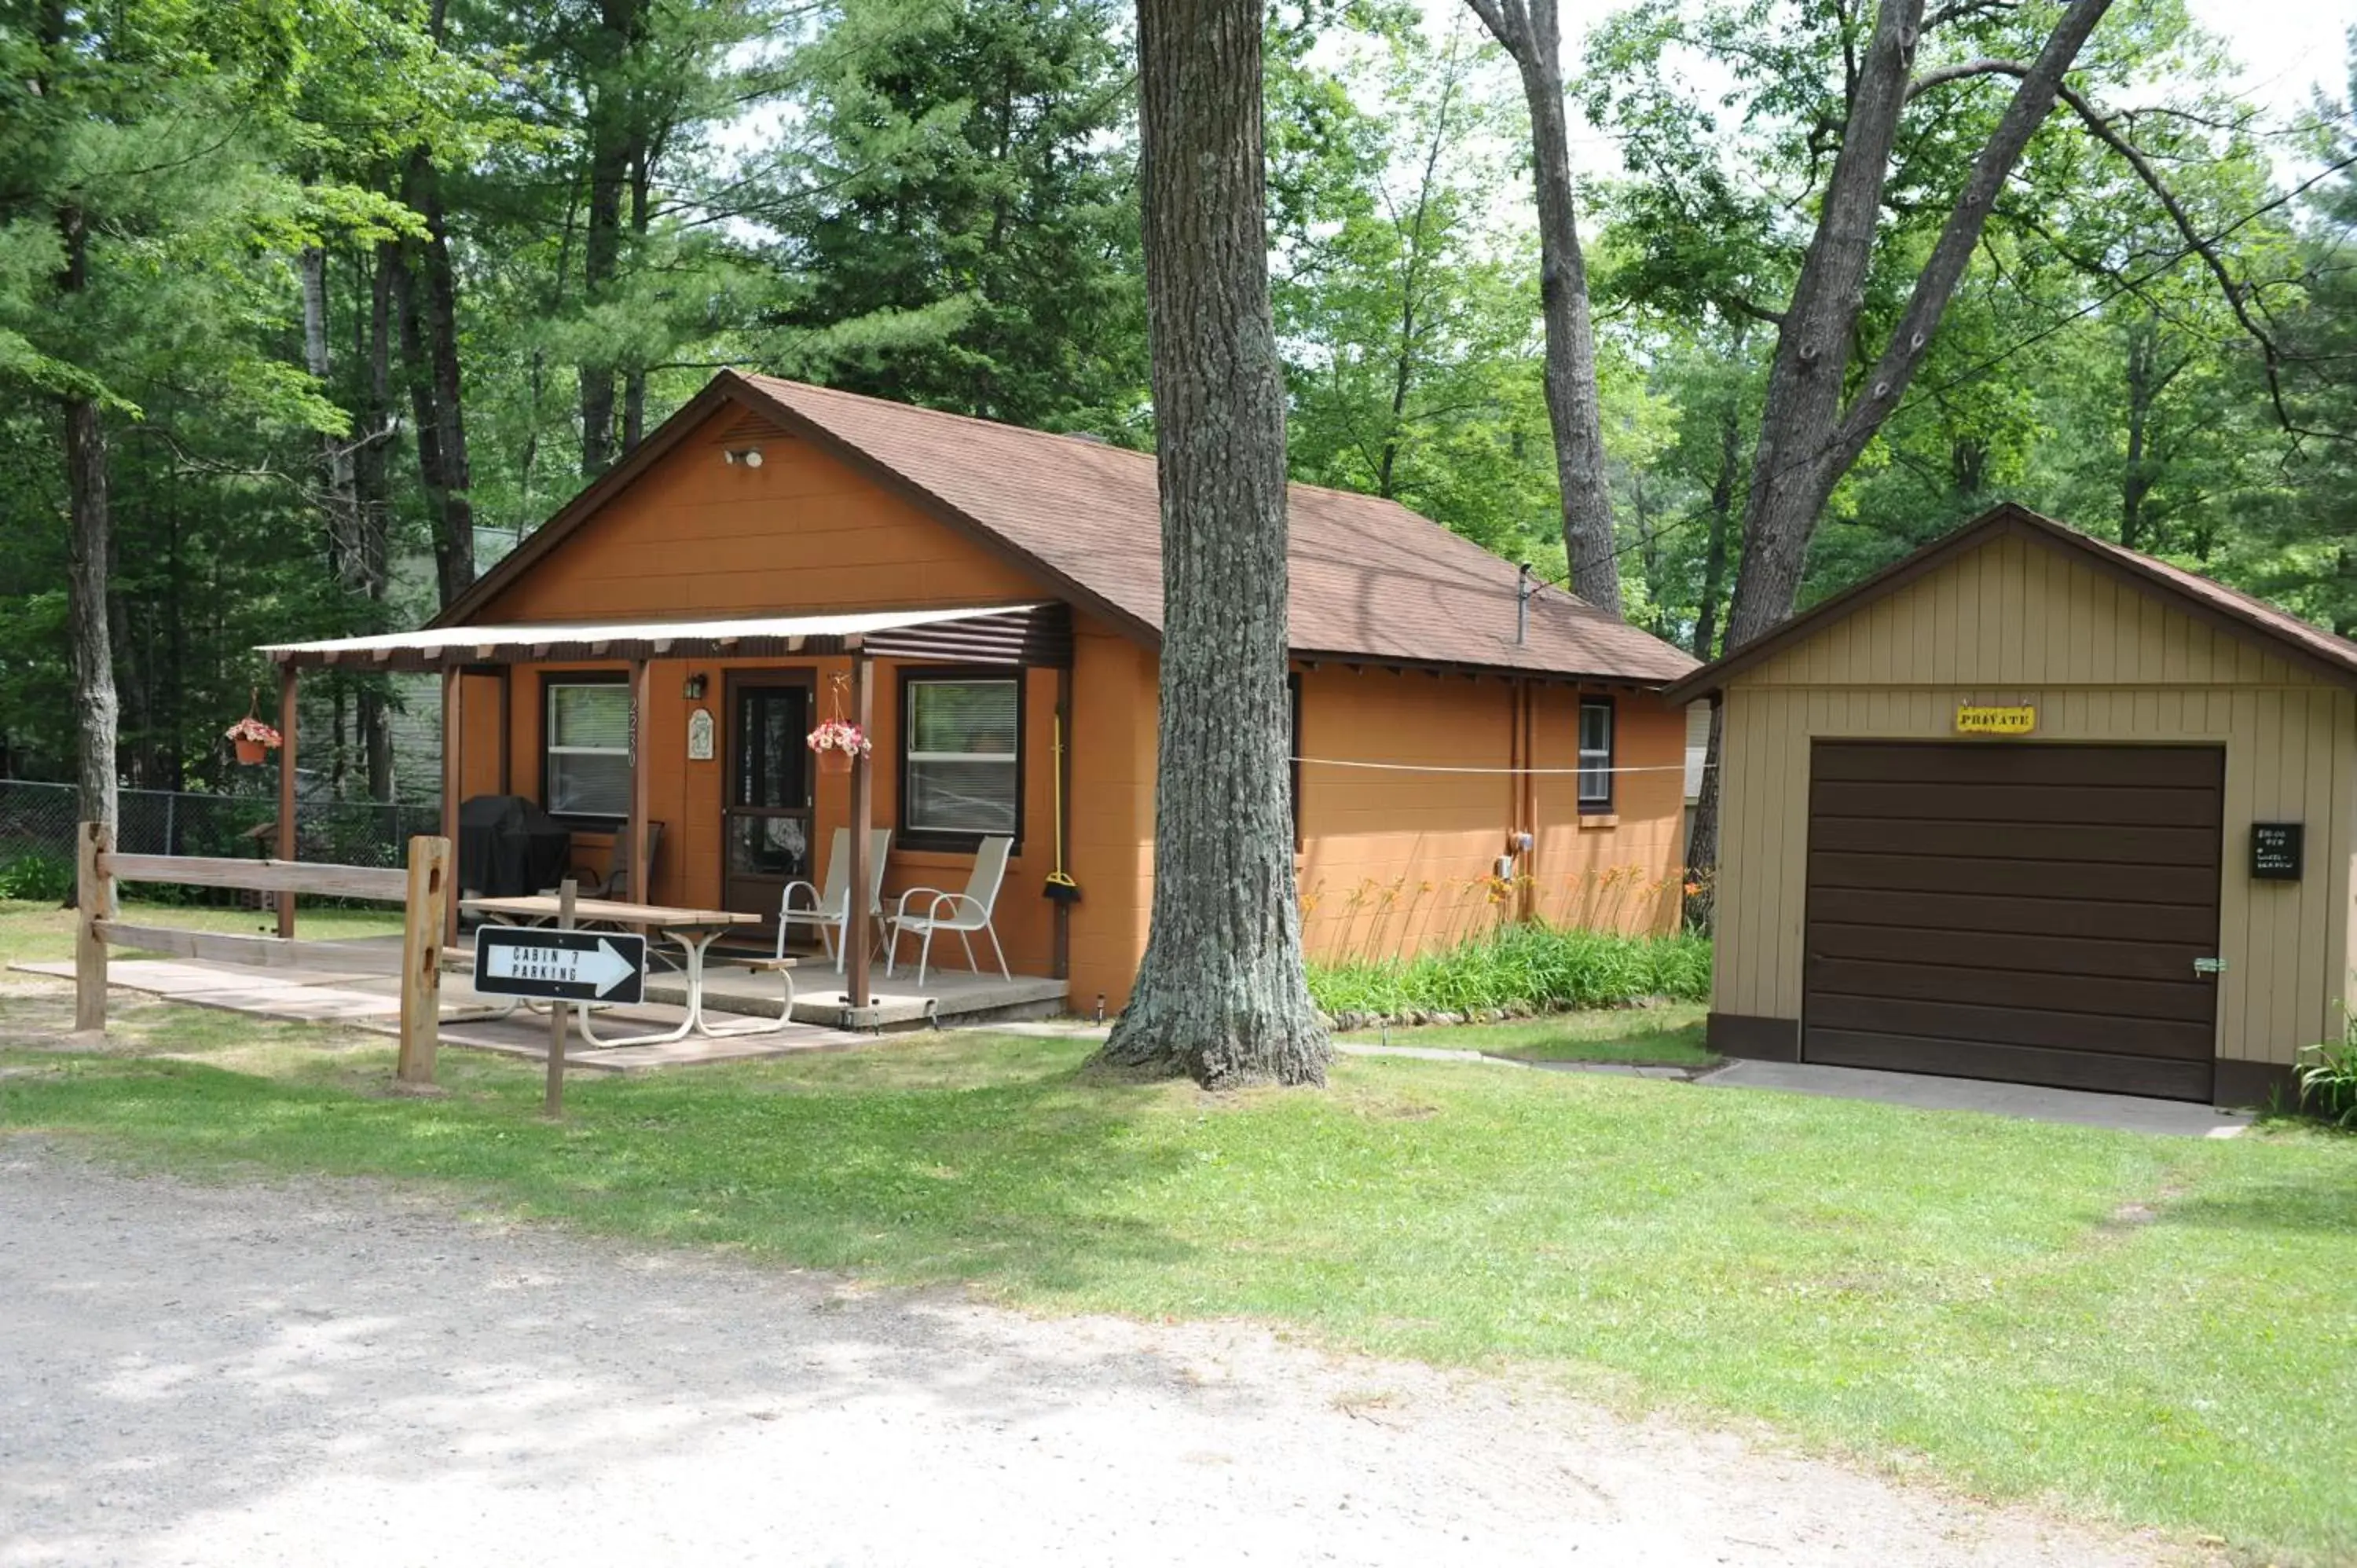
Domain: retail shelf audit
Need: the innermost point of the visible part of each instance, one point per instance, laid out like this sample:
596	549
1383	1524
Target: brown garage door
2021	912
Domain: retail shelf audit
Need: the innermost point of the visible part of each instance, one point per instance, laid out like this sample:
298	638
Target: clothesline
1442	767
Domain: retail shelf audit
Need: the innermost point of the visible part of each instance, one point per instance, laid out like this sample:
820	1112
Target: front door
766	810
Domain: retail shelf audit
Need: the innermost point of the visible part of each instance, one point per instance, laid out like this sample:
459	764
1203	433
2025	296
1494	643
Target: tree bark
454	545
1221	994
1719	517
615	144
1528	32
89	537
376	515
425	298
341	501
1808	440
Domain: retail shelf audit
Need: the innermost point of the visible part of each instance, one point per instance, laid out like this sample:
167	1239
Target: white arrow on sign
602	966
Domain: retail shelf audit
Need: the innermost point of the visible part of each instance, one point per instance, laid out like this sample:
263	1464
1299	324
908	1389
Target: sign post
553	1100
564	968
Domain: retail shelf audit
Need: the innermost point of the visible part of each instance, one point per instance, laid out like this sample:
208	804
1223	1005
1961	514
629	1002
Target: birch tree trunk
1808	438
1528	32
1221	994
90	530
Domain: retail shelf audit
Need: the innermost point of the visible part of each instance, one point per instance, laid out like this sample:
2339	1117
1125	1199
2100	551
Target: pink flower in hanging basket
252	731
837	736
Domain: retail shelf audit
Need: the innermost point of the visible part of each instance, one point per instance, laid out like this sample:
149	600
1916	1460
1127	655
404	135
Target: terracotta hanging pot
831	760
252	739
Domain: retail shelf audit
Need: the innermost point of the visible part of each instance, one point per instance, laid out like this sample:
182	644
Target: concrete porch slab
373	1002
949	999
2121	1112
285	994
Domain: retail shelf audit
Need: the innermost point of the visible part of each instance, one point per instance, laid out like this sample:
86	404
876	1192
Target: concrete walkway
2122	1112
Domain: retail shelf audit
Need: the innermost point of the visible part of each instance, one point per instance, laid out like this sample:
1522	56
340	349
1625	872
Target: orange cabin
1467	752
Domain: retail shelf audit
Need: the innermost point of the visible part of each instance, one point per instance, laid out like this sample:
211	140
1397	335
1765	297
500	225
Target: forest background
333	301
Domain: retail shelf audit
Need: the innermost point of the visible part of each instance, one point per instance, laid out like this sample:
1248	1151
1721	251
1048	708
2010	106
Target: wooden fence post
553	1099
94	902
428	895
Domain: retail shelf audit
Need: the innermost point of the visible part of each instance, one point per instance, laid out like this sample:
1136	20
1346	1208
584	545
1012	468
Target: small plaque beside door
2275	851
699	735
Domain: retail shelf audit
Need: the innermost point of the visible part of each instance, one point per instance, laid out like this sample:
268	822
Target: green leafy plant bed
1516	971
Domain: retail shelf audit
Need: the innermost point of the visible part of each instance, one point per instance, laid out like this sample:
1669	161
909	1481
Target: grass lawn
35	931
2159	1331
1670	1035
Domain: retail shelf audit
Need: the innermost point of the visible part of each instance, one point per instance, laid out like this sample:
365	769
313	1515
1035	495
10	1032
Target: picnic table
694	930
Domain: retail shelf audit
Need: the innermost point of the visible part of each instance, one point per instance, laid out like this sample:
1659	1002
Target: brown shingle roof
2283	632
1370	578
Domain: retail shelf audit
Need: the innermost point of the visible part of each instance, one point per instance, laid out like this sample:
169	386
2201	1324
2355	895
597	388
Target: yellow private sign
1996	721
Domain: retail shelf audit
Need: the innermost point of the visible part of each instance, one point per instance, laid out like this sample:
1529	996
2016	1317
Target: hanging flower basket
254	739
837	743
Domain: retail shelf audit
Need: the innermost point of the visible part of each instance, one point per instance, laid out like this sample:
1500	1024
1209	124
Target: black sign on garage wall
2275	851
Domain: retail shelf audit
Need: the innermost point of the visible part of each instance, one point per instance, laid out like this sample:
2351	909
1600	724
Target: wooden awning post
452	729
641	705
287	715
857	936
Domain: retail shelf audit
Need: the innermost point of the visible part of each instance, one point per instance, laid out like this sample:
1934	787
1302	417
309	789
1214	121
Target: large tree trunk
90	531
1527	30
1221	994
1808	440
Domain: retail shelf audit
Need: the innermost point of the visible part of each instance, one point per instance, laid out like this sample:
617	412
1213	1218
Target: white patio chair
829	910
963	912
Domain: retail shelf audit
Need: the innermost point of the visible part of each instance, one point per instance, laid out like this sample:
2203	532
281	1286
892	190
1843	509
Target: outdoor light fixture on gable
693	687
744	457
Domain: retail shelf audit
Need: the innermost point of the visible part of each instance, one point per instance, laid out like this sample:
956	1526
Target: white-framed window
961	758
1596	754
585	748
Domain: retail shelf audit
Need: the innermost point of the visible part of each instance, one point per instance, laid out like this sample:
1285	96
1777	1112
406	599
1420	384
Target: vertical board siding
1395	862
2016	622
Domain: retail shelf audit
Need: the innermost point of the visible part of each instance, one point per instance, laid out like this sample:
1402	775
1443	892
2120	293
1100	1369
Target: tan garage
2029	806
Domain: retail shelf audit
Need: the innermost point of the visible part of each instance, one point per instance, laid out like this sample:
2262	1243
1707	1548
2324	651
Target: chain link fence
38	821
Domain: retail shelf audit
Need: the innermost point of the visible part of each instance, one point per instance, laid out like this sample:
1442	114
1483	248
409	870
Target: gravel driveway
344	1374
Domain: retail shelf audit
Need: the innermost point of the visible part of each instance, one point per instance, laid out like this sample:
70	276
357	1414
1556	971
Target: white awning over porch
1003	633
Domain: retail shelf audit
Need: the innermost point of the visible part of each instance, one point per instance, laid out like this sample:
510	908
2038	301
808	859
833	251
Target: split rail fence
422	888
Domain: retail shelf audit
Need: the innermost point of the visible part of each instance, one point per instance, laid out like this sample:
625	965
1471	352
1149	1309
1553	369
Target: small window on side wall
584	764
961	758
1595	753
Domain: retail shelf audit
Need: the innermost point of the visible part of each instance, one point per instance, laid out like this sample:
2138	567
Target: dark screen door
765	813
